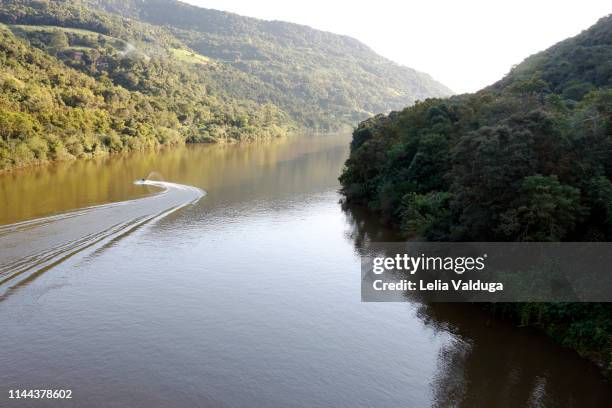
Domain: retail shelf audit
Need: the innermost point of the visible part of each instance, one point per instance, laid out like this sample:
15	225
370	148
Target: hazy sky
463	44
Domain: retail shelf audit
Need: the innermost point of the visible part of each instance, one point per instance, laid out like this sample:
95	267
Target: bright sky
466	44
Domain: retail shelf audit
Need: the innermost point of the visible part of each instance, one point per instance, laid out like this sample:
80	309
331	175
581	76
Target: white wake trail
32	247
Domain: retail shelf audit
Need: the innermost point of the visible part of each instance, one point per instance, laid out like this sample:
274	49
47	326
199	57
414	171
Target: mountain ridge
272	41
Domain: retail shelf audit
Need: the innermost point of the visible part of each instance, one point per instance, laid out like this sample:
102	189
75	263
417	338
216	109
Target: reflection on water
41	191
250	297
490	363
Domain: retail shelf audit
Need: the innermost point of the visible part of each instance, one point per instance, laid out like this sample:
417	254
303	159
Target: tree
58	41
545	210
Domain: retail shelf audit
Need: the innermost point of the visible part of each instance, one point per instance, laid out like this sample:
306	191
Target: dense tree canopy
49	111
85	77
526	159
322	80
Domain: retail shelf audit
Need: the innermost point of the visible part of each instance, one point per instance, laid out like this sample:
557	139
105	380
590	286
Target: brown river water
237	284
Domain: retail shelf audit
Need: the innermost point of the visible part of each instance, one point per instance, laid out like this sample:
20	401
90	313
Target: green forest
84	78
526	159
320	78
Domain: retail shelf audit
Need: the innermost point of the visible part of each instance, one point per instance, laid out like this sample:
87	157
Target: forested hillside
82	78
526	159
318	77
73	85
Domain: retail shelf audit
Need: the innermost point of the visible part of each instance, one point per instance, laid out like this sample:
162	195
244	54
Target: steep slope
549	116
191	75
321	80
572	67
526	159
331	74
78	93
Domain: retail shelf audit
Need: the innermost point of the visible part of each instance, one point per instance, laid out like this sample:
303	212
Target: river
238	286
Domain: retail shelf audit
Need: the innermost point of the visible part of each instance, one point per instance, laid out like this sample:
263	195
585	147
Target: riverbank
102	149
